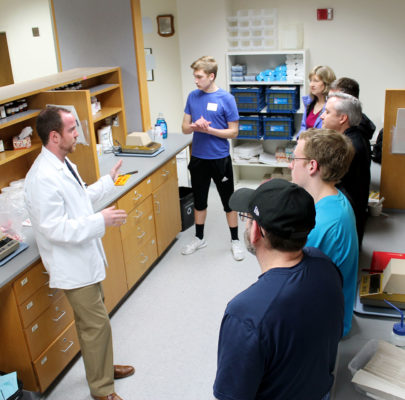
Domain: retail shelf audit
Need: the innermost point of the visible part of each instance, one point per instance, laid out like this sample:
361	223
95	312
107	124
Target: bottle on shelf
160	121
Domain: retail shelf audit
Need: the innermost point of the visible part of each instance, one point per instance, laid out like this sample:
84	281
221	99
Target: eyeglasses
292	158
244	217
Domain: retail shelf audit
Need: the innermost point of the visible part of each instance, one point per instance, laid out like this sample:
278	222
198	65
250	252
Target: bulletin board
392	165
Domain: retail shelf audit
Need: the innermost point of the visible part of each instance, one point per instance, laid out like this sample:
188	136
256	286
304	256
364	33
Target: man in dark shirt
343	114
350	86
279	337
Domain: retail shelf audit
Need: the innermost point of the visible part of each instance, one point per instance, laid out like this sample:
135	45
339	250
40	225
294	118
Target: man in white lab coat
68	234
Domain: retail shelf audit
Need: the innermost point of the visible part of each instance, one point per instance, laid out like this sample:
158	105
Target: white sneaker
193	246
238	251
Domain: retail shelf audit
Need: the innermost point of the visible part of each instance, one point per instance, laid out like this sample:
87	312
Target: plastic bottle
398	330
158	134
160	121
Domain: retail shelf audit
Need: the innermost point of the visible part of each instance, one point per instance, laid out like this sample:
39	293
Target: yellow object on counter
122	180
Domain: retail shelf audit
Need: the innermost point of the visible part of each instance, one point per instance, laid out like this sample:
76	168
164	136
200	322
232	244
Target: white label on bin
212	107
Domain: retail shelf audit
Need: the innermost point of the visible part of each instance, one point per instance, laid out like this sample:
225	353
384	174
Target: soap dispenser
398	330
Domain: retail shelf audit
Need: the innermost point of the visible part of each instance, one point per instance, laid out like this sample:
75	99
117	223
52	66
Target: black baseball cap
279	206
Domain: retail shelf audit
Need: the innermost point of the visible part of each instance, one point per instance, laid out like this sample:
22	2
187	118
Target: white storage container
248	150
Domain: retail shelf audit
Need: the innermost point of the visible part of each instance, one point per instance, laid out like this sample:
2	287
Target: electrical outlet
35	31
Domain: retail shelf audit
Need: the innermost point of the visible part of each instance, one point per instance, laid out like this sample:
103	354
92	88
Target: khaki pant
94	332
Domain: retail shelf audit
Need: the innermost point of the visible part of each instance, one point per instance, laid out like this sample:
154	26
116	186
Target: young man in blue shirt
321	158
279	337
212	115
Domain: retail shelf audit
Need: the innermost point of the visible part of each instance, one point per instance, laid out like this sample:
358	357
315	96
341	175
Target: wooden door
167	213
115	283
6	73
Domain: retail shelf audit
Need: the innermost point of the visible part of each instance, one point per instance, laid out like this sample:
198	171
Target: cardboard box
138	139
22	143
394	277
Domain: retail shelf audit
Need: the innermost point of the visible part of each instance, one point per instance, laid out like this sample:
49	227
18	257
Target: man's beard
249	246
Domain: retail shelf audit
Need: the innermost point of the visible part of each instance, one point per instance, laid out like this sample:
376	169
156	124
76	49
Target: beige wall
364	41
202	32
30	57
165	89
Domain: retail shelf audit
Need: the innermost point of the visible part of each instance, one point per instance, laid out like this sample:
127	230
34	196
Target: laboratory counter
145	167
382	234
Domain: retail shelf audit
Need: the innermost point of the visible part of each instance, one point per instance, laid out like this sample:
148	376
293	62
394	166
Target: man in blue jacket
279	337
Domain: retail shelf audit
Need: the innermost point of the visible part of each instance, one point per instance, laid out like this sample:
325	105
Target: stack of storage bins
253	30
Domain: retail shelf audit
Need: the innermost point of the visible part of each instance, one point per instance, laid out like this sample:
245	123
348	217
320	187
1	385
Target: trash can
19	394
186	207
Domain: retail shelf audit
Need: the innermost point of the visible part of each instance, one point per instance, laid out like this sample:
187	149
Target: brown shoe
123	371
112	396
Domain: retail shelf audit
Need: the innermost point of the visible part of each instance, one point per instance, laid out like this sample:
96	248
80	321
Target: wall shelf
19	117
10	155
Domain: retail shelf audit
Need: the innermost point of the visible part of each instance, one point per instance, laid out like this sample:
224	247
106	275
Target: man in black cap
279	337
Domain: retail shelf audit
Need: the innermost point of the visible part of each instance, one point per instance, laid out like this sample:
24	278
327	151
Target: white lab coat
67	231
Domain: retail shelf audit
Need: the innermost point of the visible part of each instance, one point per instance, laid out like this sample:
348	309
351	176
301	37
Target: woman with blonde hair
320	79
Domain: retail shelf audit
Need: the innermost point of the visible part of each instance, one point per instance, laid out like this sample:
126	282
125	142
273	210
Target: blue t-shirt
335	234
279	337
219	108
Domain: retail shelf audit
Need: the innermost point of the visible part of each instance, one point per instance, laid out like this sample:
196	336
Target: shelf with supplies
255	160
74	87
267	86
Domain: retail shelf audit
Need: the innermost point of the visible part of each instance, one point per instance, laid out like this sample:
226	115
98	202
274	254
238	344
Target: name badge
212	107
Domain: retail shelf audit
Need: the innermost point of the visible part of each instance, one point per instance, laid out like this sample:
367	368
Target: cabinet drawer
48	326
167	171
138	236
37	303
135	196
30	282
138	218
141	259
51	363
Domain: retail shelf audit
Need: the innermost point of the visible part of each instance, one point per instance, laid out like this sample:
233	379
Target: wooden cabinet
138	234
102	83
166	204
33	318
115	284
56	356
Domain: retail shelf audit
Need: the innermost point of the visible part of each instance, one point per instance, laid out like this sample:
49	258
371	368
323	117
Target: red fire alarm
324	14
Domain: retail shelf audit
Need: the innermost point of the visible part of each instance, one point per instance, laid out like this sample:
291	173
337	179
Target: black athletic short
202	171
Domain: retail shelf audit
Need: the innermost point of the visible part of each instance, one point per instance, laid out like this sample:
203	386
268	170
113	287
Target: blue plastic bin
249	99
278	128
283	100
250	127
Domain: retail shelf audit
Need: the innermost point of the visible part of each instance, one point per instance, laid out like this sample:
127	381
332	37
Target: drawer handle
53	293
145	259
141	235
158	206
138	214
71	343
60	316
137	197
165	172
